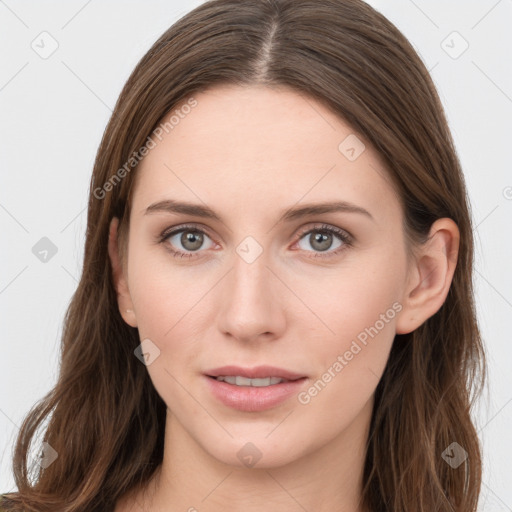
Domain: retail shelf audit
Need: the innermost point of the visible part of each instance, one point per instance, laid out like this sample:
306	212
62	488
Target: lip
249	398
258	372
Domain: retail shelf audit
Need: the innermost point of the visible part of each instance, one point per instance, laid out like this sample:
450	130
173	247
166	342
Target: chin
258	451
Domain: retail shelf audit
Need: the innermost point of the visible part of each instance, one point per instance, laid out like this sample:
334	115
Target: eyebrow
293	213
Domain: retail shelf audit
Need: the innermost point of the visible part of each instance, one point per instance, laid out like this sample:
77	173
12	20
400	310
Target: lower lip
251	398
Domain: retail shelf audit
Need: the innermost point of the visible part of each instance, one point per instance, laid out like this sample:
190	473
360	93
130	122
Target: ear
124	300
430	277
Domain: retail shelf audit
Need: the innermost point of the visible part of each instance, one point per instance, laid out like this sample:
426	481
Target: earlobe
432	276
124	300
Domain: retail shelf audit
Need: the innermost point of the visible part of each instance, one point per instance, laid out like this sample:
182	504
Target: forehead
253	147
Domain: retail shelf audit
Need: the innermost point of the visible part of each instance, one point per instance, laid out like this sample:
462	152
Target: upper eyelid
326	227
177	229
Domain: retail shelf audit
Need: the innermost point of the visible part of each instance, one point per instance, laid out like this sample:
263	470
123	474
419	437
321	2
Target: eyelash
324	228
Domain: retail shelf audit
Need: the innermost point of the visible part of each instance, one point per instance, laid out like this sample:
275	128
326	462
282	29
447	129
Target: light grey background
52	115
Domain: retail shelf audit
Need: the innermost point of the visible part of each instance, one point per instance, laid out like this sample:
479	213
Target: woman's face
254	284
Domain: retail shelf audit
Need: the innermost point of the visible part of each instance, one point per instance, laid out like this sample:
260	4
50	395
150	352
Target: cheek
163	293
165	300
359	307
353	297
170	304
349	369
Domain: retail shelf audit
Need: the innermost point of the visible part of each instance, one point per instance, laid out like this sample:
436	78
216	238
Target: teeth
244	381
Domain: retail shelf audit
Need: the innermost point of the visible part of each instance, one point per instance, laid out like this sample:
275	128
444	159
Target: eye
321	239
187	239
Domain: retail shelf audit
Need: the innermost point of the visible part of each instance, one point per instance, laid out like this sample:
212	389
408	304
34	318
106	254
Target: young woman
276	308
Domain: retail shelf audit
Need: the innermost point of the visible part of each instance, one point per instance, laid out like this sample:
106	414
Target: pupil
322	238
195	238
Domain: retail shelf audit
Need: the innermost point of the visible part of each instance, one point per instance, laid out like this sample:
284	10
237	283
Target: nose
252	301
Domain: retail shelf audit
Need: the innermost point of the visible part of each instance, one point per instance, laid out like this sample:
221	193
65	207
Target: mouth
253	389
243	374
239	380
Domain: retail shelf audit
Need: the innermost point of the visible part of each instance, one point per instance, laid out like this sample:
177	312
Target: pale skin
249	154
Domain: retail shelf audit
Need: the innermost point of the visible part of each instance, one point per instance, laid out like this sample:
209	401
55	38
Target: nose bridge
250	277
249	305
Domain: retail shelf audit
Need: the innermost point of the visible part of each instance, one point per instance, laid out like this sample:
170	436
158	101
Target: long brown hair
104	417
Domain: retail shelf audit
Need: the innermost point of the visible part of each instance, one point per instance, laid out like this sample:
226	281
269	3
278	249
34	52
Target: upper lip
258	372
